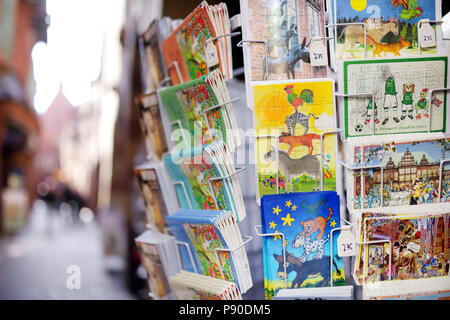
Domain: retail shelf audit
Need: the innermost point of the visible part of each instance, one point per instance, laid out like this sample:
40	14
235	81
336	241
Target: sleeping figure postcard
290	117
396	96
305	219
391	27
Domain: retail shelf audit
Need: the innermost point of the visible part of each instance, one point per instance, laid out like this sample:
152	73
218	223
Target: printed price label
318	53
427	35
346	244
212	57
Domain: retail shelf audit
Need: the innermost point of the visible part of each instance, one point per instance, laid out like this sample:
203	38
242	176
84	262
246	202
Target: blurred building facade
22	24
76	142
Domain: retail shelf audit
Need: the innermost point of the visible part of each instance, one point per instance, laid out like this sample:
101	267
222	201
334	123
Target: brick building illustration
402	175
287	27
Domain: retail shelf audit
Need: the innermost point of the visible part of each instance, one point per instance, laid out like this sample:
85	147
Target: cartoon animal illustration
297	100
375	28
390	93
308	164
387	47
310	246
300	118
288	62
295	141
422	105
407	101
305	269
318	224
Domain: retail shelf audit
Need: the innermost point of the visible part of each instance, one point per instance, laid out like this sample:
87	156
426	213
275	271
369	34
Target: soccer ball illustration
359	128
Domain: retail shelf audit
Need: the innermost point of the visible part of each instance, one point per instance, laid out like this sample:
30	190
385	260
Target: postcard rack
430	99
191	257
229	176
380	197
266	53
220	105
183	186
178	122
245	240
174	64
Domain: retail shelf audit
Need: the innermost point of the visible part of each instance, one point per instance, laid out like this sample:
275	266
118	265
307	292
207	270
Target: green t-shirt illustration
390	87
408	98
422	103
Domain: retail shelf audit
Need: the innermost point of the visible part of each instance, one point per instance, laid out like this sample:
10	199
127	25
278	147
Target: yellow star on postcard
288	220
276	210
332	223
275	238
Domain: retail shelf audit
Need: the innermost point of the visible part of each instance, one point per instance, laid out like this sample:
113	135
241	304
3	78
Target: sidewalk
33	264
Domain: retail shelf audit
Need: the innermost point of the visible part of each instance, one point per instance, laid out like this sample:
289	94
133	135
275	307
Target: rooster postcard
290	117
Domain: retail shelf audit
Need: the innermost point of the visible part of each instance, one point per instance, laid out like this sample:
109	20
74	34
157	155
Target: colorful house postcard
305	219
411	173
418	247
292	115
401	96
391	27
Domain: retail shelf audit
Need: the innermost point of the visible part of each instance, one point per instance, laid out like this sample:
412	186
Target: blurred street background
70	205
